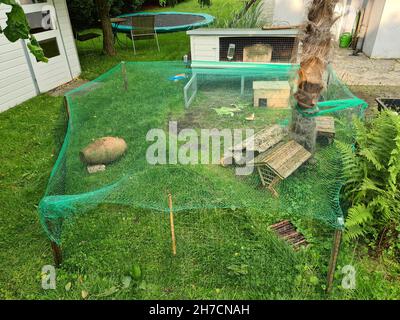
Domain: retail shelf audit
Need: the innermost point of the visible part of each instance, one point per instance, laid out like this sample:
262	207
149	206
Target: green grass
222	253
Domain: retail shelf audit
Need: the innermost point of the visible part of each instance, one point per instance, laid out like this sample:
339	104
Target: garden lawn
222	254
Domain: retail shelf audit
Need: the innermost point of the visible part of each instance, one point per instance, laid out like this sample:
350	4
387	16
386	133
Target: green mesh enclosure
133	98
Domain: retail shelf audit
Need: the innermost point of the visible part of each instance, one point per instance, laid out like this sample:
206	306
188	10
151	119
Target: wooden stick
279	224
332	263
171	219
123	67
57	253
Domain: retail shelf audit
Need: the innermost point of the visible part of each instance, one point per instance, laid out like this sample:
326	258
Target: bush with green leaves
83	13
372	174
250	16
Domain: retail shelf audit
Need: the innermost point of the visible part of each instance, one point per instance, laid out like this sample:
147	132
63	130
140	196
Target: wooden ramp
287	231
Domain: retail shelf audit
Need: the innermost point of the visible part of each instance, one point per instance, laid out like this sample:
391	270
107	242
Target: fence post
332	263
124	76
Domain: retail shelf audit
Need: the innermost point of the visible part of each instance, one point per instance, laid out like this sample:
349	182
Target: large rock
103	151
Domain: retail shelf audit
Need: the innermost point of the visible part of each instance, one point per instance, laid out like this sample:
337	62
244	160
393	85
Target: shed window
50	47
39	21
32	1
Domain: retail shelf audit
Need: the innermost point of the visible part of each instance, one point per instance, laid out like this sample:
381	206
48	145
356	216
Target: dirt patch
370	93
361	70
63	89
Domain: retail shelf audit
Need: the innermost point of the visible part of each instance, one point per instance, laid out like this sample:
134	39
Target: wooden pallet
287	231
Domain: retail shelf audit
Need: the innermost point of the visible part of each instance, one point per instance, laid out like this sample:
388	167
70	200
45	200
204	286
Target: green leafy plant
248	17
372	175
18	28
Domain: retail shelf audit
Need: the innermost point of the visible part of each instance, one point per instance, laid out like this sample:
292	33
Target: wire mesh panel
284	49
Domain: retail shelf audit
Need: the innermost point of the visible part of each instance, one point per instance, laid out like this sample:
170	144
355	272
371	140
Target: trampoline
167	21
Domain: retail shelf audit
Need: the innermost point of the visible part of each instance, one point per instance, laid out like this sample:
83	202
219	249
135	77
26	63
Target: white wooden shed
21	76
229	45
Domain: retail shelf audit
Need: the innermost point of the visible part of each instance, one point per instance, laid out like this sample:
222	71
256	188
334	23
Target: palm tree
317	44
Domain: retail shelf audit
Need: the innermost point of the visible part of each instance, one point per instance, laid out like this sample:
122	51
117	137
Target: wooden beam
171	219
123	68
57	253
332	263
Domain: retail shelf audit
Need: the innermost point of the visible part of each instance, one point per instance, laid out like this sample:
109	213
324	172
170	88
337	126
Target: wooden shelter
280	162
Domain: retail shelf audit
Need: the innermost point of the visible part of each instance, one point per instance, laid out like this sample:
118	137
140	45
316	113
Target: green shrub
83	13
372	174
252	18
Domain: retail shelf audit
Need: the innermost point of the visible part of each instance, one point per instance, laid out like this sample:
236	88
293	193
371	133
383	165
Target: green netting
152	95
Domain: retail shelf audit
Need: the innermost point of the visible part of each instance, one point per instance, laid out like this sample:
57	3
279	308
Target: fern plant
372	175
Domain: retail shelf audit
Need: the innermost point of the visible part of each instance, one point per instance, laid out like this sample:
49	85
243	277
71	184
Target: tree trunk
103	8
317	43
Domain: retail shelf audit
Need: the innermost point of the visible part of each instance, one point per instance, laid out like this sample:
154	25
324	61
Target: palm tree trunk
317	44
103	7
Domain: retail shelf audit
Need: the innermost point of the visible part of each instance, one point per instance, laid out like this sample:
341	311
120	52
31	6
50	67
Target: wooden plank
280	224
293	163
262	140
287	27
325	125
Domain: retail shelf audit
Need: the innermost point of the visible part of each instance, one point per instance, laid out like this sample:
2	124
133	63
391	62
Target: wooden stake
57	253
123	67
171	219
332	263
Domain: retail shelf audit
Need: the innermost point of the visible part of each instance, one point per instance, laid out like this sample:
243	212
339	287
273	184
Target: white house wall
383	36
16	82
290	11
67	36
294	12
19	79
373	27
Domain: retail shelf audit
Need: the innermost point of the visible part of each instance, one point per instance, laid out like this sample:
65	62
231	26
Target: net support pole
57	253
124	76
171	219
332	263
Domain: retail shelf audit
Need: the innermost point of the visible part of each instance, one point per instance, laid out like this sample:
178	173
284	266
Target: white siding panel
205	48
15	101
68	36
16	82
11	55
